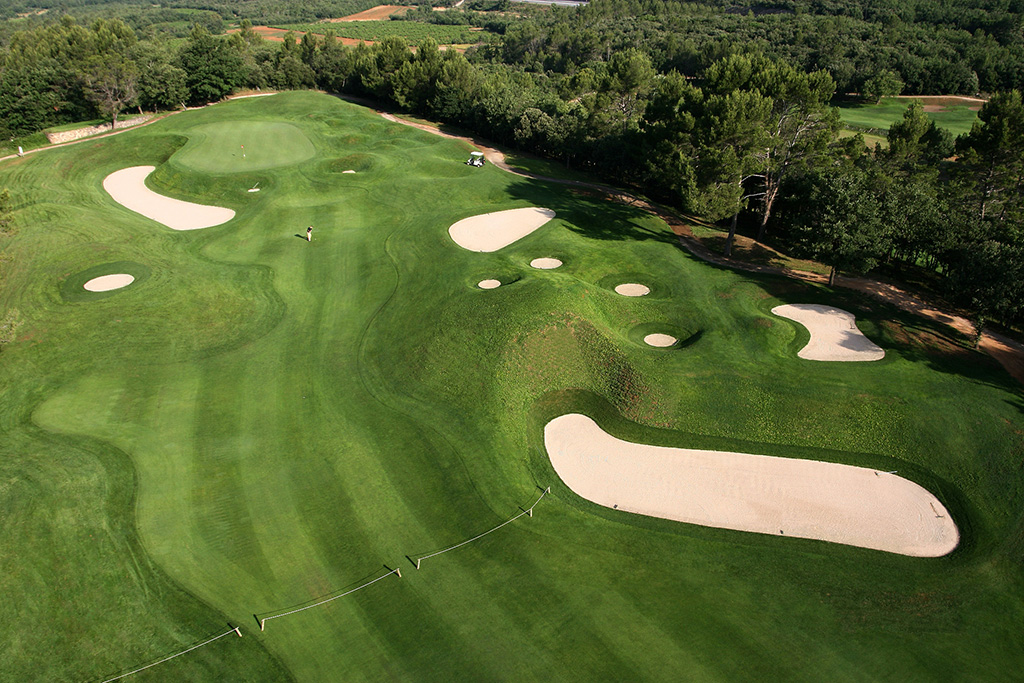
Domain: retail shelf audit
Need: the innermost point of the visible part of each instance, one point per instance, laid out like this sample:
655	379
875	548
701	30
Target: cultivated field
257	423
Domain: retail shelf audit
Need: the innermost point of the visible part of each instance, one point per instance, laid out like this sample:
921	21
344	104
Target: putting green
259	423
244	146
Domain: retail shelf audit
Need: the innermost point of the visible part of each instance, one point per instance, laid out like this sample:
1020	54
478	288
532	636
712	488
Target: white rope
527	511
323	602
235	631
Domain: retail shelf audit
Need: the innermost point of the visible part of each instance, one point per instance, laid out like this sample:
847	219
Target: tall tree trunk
771	192
732	234
832	274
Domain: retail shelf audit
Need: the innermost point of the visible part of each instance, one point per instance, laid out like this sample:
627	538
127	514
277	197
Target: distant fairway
957	119
259	422
244	146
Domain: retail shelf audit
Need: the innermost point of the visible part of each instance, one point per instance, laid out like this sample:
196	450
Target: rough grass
261	421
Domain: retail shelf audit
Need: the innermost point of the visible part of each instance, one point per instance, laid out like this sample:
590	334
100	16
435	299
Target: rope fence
527	511
234	629
262	621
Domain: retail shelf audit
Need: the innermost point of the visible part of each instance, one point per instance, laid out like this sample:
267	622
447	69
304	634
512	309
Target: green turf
235	147
878	117
260	421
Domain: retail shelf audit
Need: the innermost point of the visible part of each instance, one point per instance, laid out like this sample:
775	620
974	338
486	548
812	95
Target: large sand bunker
765	494
128	188
492	231
106	283
834	333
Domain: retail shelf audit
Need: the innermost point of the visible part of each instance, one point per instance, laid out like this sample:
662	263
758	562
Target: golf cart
475	159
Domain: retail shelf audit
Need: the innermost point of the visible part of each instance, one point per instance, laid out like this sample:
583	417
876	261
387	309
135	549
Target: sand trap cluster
106	283
632	289
834	333
660	340
128	188
545	263
764	494
489	284
492	231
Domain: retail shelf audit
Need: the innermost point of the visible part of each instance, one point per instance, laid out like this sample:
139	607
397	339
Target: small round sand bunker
632	289
834	333
106	283
489	284
492	231
825	501
545	263
660	340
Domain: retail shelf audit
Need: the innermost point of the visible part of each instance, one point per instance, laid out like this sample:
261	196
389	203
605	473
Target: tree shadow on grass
590	213
914	338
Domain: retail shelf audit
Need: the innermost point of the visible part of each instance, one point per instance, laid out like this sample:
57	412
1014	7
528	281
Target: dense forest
722	110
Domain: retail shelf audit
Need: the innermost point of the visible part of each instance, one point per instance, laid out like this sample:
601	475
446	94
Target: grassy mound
264	421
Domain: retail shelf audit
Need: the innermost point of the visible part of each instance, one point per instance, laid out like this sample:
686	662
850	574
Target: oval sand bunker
632	289
489	284
764	494
545	263
492	231
660	340
106	283
834	333
128	188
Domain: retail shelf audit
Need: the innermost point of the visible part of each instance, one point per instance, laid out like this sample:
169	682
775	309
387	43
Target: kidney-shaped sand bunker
834	333
765	494
492	231
128	188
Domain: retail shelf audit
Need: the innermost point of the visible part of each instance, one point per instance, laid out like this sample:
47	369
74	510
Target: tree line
750	141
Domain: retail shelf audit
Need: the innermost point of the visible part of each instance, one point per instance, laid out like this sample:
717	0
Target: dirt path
1009	353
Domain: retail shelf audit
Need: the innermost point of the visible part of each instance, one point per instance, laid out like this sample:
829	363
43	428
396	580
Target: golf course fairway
261	423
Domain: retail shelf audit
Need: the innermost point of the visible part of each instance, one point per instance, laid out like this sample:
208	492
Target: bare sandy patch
764	494
128	188
105	283
489	284
632	289
492	231
373	14
545	263
348	171
834	333
660	340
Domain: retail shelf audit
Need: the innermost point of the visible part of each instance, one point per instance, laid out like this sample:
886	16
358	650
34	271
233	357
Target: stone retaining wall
69	135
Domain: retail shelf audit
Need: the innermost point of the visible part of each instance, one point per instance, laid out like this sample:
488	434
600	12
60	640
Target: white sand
660	340
106	283
489	284
545	263
492	231
632	289
128	188
834	333
764	494
348	171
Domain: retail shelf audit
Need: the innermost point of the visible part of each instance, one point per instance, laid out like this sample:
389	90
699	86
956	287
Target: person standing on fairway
309	234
